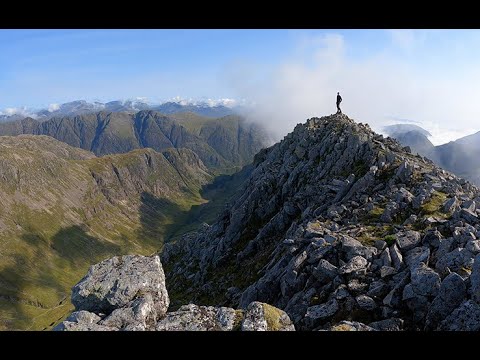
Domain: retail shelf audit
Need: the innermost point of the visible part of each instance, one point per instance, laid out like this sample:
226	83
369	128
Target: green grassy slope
63	209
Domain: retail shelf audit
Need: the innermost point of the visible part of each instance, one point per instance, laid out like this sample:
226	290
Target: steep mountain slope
63	209
223	145
418	142
234	138
338	223
460	156
413	136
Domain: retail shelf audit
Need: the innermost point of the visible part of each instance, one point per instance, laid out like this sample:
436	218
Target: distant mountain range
461	156
80	107
224	145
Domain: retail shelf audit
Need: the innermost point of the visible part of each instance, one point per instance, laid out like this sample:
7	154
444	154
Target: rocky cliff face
223	145
128	293
340	228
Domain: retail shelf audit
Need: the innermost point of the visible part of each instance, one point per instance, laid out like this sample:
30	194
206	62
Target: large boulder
116	282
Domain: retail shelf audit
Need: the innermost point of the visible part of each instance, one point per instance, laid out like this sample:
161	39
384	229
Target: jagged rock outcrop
115	282
128	293
337	223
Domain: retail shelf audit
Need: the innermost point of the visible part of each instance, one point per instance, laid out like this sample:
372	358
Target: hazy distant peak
404	128
205	107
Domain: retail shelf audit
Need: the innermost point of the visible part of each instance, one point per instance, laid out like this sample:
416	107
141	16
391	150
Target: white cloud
374	89
22	111
221	102
53	107
227	102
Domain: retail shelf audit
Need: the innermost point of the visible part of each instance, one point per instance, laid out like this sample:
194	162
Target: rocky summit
342	229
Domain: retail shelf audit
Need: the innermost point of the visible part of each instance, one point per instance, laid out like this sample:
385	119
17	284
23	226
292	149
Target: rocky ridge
128	293
343	229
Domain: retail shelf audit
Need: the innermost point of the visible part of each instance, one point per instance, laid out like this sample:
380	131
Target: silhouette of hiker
339	100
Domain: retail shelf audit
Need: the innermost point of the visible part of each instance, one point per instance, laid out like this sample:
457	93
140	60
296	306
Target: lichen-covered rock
139	315
263	317
82	321
201	318
115	282
356	264
350	326
318	314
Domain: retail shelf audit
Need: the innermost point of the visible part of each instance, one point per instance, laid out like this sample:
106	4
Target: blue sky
428	76
43	66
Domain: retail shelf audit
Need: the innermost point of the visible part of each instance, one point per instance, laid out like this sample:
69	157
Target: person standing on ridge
339	100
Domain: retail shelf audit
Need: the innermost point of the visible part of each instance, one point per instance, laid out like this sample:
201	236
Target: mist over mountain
405	128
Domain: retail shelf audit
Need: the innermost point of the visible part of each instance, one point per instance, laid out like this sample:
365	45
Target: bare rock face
116	282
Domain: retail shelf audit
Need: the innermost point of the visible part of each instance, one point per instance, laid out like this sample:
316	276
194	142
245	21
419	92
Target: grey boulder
115	282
